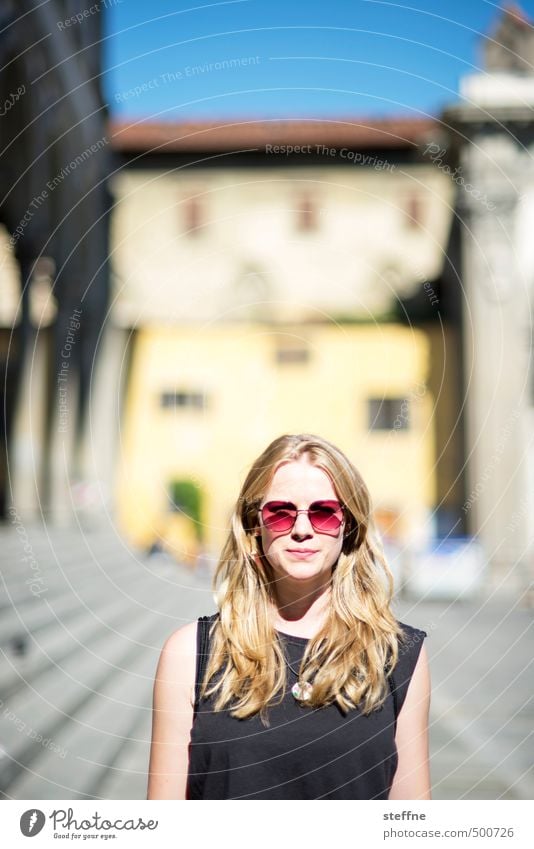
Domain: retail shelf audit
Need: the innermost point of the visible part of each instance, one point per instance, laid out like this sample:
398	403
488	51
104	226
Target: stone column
25	457
98	454
496	328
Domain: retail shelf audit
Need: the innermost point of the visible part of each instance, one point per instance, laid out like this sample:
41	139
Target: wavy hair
350	658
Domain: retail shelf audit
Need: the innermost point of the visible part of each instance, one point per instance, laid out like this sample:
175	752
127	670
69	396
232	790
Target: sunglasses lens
279	516
326	516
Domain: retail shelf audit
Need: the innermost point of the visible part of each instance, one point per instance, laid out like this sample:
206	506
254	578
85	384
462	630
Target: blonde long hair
349	659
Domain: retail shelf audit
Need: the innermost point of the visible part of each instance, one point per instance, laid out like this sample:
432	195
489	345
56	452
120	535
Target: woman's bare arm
412	778
172	715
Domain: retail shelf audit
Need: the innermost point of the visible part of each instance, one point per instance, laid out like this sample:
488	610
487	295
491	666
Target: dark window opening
193	212
285	356
192	400
389	414
292	352
307	216
414	211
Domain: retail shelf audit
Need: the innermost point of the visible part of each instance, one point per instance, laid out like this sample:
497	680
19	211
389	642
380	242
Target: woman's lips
301	553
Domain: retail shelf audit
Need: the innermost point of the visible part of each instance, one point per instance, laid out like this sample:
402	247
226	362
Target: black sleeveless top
305	753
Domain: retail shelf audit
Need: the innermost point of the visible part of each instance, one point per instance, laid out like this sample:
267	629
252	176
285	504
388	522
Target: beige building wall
249	259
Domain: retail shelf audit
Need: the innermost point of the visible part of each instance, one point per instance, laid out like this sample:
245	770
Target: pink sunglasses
326	517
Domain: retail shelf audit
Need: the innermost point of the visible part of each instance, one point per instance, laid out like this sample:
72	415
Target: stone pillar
524	515
62	440
496	333
98	454
25	457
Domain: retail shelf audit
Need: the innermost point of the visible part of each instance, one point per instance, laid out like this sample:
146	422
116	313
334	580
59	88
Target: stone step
128	740
58	693
127	777
94	736
59	552
56	585
54	643
35	614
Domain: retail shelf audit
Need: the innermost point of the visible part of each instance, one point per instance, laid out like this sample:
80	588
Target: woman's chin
302	571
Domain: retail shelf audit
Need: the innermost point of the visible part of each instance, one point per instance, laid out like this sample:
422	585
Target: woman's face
302	555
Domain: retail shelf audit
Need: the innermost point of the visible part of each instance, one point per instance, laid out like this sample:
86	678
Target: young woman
303	685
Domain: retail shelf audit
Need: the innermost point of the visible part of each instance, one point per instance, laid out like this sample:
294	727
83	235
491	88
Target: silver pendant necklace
301	690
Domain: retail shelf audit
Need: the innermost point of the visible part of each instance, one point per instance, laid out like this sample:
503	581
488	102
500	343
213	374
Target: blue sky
270	58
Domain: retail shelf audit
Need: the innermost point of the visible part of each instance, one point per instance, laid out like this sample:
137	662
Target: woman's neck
301	615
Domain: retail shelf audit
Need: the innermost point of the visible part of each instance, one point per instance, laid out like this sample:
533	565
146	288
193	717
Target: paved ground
482	714
82	622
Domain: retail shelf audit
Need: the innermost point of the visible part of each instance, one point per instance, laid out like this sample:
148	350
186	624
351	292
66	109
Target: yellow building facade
204	401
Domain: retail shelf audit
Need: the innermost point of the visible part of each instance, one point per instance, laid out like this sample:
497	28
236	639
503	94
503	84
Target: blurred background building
260	274
175	295
368	280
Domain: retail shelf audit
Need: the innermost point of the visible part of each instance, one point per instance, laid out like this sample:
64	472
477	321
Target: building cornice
249	134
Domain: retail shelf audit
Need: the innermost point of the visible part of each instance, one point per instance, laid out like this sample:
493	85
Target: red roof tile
144	136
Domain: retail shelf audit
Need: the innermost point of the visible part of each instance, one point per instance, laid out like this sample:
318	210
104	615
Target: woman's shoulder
410	633
182	643
175	674
410	646
411	654
184	639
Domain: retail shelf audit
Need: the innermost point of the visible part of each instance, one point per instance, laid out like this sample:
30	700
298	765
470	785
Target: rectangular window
414	211
389	413
292	352
190	400
193	213
307	217
286	356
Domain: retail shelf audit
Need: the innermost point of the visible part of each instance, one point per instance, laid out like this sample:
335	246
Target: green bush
186	498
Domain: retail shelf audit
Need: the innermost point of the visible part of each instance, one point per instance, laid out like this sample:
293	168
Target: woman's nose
302	526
